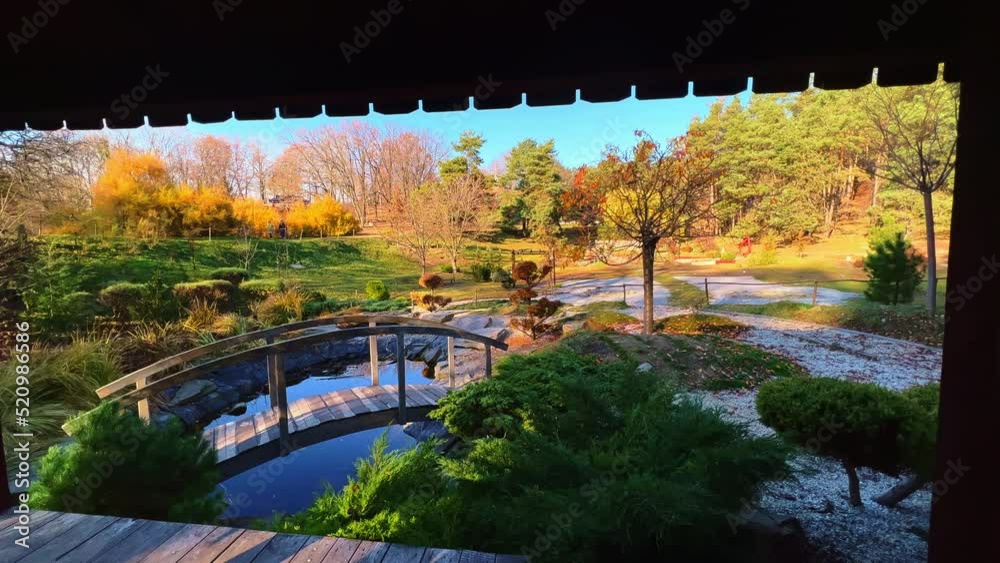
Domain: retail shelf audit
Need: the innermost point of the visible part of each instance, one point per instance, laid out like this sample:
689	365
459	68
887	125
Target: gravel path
817	496
748	290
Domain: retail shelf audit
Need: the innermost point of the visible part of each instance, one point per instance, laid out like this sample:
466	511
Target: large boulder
773	539
192	390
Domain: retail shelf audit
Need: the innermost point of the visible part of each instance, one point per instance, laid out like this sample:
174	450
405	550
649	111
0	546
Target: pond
291	483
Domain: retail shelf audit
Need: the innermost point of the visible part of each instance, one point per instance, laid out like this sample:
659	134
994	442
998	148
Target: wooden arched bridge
255	438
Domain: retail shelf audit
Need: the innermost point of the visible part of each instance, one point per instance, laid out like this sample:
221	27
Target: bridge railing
139	386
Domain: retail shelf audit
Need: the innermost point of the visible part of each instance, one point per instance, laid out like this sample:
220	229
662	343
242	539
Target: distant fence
707	282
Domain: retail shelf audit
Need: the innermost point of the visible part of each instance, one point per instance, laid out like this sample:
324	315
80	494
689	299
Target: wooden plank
352	401
437	555
314	550
388	397
209	436
281	549
268	429
61	541
511	559
140	542
370	405
228	449
370	552
319	409
337	407
435	391
38	518
212	546
247	546
399	553
246	437
106	539
40	535
415	398
342	551
179	544
477	557
424	390
374	395
9	519
220	436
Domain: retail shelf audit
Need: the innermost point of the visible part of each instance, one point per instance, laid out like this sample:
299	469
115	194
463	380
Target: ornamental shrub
860	424
121	298
215	292
235	276
894	270
376	290
121	466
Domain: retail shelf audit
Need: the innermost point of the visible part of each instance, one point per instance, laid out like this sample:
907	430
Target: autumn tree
918	128
129	191
581	202
654	192
213	157
458	207
411	226
255	215
405	161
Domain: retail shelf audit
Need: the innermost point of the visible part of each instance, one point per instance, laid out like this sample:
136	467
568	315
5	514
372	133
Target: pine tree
894	270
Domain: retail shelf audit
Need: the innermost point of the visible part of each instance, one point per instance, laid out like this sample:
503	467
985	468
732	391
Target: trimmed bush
860	424
503	278
535	322
397	304
481	272
258	290
121	466
235	276
215	292
529	273
430	281
122	298
522	295
376	290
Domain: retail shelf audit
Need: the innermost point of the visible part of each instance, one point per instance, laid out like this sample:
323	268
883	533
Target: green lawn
338	267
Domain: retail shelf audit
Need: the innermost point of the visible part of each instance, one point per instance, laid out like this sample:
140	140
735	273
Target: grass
906	322
682	294
701	324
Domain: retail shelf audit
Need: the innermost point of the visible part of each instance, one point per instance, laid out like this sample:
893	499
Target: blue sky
581	131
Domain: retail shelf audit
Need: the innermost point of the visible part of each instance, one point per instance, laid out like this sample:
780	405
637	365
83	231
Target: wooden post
477	297
401	375
272	381
373	354
815	292
278	361
553	269
708	300
451	362
624	295
513	254
143	404
489	361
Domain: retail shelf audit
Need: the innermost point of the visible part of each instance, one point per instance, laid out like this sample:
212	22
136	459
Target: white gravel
817	495
748	290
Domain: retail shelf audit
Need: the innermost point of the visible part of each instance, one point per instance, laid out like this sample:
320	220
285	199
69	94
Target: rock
438	316
430	430
297	266
644	367
192	390
238	410
472	322
775	540
827	507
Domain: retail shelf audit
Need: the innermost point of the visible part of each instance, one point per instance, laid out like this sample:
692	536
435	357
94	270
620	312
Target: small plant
762	257
258	290
150	342
860	424
535	322
894	269
376	290
282	307
529	273
121	466
481	272
431	281
433	302
235	276
503	278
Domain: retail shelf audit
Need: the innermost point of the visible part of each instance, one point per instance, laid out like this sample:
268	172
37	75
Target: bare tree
411	226
457	209
651	193
240	172
405	162
260	170
213	158
342	162
918	127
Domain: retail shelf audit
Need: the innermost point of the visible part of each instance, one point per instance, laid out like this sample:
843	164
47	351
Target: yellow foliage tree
324	216
255	215
206	210
130	190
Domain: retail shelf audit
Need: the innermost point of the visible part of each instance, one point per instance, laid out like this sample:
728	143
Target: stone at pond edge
430	430
644	367
191	390
238	410
775	540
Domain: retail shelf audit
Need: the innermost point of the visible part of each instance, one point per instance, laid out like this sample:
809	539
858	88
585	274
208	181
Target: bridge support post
373	354
143	404
401	375
272	384
276	364
489	361
451	362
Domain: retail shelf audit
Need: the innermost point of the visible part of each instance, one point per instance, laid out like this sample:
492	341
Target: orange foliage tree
129	193
323	216
255	215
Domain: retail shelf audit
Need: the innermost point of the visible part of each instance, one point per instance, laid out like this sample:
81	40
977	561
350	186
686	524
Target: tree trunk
648	252
900	491
454	267
854	486
931	255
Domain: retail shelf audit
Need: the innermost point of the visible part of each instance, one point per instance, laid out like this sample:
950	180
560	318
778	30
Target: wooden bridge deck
314	419
71	538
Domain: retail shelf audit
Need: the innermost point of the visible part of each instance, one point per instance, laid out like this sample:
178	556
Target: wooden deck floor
251	431
61	537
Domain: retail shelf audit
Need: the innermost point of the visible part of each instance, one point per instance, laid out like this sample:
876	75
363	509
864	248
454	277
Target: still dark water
290	484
